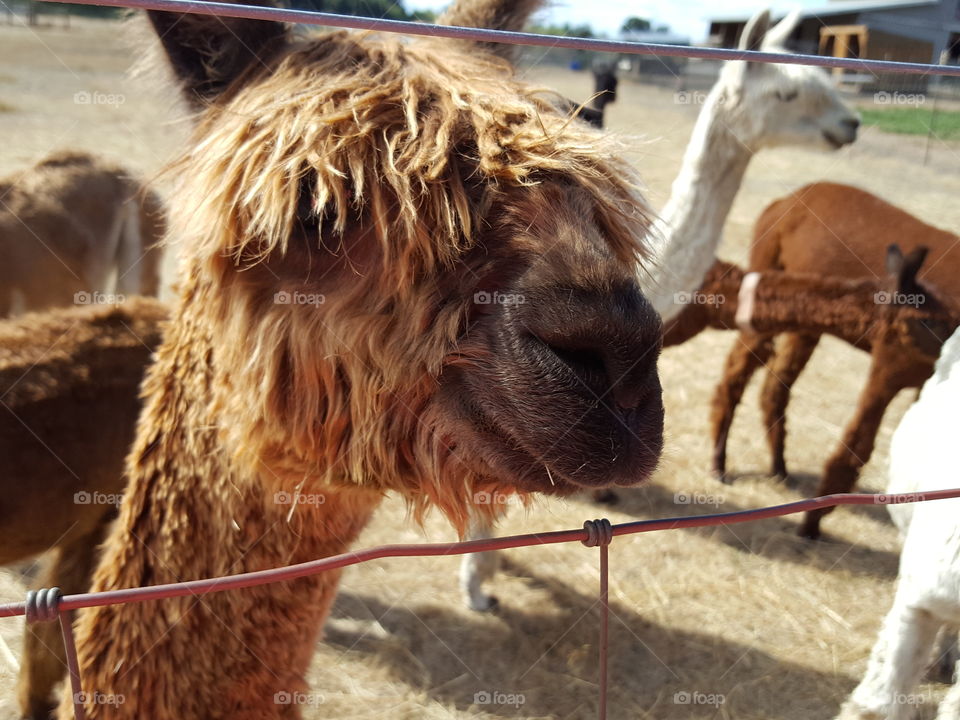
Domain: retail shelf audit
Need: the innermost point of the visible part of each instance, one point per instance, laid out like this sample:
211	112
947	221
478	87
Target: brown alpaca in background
834	230
402	270
69	381
66	225
782	302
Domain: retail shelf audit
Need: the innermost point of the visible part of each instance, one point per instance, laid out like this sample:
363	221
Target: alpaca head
767	105
605	83
416	273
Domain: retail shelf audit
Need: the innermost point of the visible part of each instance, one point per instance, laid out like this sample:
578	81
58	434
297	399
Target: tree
635	24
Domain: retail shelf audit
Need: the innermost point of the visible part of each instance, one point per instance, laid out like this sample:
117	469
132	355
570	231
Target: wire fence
49	605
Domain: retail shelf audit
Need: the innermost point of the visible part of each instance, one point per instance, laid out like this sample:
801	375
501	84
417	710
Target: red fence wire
594	533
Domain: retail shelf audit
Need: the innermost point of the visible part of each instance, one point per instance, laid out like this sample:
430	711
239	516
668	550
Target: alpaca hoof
721	476
484	603
606	496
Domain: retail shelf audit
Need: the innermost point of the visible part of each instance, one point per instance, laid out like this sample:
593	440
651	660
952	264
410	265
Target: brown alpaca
837	230
798	302
402	270
69	381
66	224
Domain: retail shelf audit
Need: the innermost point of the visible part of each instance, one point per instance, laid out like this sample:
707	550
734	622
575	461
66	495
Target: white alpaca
752	106
922	456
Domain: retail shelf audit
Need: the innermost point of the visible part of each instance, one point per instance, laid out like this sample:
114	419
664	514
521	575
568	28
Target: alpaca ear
208	53
894	260
495	15
755	31
904	268
776	38
911	266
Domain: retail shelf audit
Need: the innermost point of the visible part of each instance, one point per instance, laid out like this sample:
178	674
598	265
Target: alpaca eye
787	96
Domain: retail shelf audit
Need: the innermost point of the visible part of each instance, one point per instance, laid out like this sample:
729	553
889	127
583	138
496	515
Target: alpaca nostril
852	124
588	365
610	380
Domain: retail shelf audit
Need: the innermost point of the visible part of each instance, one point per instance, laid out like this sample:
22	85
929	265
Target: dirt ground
746	622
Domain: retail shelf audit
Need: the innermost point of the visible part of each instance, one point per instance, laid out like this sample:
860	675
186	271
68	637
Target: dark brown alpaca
69	380
402	270
835	230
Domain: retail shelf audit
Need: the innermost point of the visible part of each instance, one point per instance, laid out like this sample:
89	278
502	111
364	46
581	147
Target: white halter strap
746	301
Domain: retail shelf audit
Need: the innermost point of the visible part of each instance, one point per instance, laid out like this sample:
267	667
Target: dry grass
779	627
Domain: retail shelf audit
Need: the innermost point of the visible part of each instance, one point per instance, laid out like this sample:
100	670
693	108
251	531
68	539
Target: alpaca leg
139	256
895	667
789	360
748	353
859	438
950	705
478	568
43	664
945	656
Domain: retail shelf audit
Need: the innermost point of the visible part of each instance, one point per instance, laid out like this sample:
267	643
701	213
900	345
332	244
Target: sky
686	17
